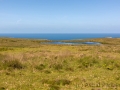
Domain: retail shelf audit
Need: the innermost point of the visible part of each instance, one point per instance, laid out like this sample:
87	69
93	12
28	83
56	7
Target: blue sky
59	16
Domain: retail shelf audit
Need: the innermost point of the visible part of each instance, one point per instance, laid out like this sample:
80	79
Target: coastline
63	36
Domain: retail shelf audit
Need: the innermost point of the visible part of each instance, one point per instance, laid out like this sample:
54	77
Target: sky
59	16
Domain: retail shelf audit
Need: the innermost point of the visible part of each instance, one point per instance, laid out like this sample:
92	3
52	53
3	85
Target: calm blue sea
60	36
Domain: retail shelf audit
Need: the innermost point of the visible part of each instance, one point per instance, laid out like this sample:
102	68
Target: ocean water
61	36
72	43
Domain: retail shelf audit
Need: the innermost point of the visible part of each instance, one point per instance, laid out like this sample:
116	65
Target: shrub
57	66
13	64
40	67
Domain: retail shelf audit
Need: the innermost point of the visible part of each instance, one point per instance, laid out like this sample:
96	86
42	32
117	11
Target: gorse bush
15	64
12	64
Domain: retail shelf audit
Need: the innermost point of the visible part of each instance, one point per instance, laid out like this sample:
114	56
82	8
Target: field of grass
25	64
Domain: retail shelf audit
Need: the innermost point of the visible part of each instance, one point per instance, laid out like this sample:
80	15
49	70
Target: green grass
28	65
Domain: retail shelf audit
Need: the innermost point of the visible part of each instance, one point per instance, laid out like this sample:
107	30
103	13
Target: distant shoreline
61	36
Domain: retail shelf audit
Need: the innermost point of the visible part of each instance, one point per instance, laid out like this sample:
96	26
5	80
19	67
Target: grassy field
25	64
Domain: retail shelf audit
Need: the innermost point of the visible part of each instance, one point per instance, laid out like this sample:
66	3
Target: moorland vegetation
26	64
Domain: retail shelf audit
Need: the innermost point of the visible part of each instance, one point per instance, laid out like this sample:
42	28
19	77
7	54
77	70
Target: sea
61	36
